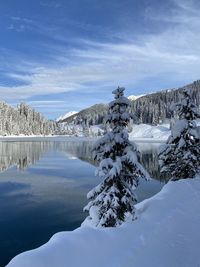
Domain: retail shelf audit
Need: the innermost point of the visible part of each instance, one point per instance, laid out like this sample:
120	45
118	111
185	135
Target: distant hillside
153	108
23	120
156	108
89	116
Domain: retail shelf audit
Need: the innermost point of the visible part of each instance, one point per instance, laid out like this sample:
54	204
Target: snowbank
165	234
145	131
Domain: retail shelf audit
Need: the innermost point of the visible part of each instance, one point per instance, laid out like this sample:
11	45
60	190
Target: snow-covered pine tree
112	201
180	157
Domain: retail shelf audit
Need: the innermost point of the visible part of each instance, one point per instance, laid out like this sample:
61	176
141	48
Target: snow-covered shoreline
71	138
43	138
149	132
168	222
139	133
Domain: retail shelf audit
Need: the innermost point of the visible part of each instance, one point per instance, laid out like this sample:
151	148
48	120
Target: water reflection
148	155
43	187
149	159
43	190
24	154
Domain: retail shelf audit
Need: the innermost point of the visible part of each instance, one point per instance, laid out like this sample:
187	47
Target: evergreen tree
180	157
112	201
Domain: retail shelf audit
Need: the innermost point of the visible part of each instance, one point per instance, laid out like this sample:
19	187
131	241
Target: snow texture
165	234
146	131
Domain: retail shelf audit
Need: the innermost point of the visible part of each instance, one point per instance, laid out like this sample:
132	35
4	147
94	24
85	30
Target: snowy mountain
151	109
65	116
134	97
90	116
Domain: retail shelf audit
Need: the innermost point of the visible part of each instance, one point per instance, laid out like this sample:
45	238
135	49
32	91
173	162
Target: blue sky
63	55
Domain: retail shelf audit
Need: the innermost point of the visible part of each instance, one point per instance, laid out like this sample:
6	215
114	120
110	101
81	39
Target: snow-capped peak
68	114
134	97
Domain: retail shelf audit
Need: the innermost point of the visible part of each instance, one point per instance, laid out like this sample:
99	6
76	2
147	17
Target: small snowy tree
112	201
180	157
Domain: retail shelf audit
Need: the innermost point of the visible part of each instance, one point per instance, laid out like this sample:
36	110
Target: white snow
67	115
165	234
146	131
139	132
134	97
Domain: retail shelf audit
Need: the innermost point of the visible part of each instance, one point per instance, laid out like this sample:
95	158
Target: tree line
24	120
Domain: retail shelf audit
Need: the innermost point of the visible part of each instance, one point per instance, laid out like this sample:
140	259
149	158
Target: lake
43	187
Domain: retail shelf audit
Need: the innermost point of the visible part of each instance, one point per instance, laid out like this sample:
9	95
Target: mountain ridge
154	108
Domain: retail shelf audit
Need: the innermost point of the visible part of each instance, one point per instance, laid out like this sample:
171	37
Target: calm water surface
43	187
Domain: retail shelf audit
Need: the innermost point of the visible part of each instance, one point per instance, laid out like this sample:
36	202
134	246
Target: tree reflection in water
25	153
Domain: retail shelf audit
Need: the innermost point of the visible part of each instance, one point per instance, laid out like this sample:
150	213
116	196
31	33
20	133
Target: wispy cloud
17	28
51	4
19	24
21	19
173	54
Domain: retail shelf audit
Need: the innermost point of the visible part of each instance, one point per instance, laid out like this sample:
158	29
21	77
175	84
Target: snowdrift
146	131
165	234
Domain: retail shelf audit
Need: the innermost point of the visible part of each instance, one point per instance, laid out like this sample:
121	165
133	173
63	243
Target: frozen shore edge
166	223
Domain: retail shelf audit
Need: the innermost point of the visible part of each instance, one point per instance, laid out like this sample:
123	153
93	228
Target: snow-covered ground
140	132
166	234
145	131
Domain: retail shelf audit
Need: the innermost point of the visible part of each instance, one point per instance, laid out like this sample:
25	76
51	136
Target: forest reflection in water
26	153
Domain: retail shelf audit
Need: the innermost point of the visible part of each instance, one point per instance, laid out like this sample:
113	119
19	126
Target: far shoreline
70	137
